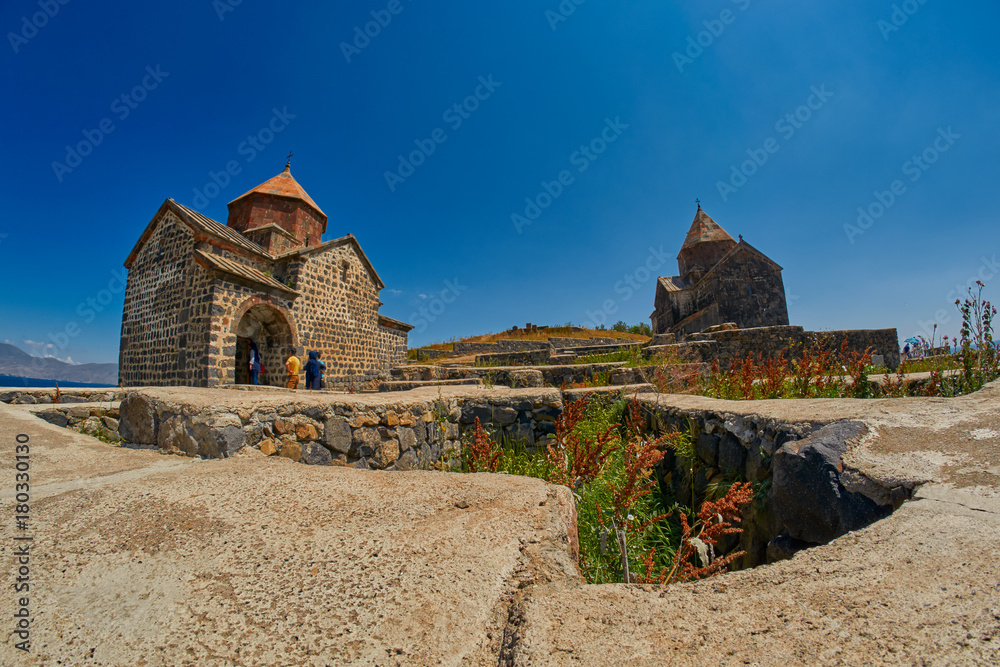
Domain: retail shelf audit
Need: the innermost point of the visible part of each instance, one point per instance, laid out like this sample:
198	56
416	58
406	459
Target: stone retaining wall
727	346
32	396
805	496
408	435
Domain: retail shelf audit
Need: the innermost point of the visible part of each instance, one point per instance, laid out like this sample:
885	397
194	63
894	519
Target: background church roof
282	185
705	229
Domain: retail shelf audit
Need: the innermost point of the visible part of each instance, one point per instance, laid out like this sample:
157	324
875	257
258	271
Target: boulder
138	420
267	447
110	423
315	454
337	435
807	490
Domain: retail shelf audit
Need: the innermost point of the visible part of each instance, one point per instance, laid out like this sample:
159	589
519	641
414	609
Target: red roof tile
282	185
705	229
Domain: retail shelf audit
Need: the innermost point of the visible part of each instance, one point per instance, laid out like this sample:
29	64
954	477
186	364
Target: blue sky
639	109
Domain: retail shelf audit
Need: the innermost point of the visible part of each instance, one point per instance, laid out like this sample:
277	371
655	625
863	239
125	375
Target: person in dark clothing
254	363
312	370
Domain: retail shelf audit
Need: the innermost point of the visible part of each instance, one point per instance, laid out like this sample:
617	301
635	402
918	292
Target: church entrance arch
267	327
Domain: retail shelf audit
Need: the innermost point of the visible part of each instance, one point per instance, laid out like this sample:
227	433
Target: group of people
315	367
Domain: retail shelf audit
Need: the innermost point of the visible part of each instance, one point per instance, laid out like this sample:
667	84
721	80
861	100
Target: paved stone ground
145	559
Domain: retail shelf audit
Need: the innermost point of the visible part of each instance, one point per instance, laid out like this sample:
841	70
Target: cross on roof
289	163
698	202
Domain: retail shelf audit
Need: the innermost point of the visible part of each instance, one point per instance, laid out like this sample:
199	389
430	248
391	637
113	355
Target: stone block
139	421
706	448
503	415
365	440
386	453
337	435
407	438
306	432
290	449
284	427
267	447
472	412
732	455
173	436
54	417
408	460
313	453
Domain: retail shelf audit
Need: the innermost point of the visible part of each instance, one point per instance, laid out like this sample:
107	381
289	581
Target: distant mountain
16	362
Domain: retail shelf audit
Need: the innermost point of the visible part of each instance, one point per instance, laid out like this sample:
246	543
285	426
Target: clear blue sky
215	77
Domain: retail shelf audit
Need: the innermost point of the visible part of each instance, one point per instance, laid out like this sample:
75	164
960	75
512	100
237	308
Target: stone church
200	292
720	281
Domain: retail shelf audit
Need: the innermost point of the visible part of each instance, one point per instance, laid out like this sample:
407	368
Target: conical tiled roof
282	185
705	229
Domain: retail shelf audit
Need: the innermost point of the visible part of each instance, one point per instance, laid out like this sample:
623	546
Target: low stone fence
417	431
517	376
731	345
22	396
500	346
528	358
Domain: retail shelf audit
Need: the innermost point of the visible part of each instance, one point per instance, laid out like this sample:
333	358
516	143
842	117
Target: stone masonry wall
165	331
337	315
727	346
405	436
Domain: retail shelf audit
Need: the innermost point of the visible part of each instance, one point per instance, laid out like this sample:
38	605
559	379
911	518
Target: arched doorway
269	329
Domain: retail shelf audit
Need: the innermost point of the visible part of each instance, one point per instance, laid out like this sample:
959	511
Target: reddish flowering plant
483	453
576	458
715	520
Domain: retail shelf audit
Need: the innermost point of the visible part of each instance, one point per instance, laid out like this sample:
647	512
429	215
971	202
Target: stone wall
805	495
410	434
499	346
727	346
29	396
